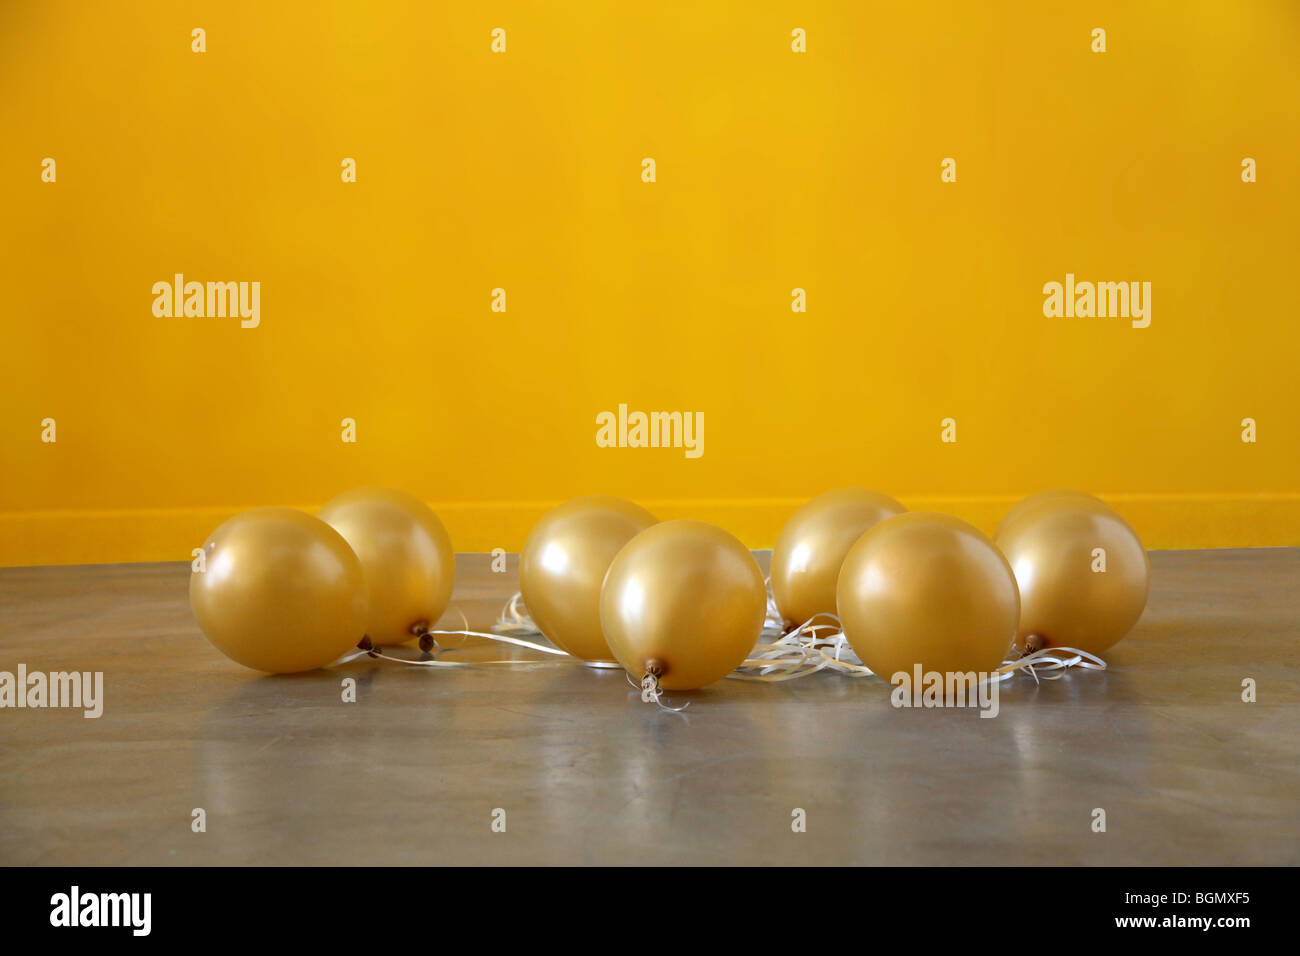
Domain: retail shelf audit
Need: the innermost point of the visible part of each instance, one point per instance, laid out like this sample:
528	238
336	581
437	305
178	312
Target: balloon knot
652	693
650	689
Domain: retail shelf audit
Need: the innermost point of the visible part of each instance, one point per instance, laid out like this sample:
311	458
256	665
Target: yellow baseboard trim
1163	521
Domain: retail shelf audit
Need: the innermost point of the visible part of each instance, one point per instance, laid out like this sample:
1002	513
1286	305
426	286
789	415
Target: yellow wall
522	170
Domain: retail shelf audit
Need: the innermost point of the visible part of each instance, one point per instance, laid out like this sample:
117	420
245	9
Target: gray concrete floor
411	774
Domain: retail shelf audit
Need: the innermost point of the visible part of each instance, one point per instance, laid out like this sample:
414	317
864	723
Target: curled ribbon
1058	659
514	618
652	693
816	645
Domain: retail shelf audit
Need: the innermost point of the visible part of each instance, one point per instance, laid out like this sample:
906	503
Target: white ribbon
1051	659
815	645
818	644
433	662
514	618
465	631
652	693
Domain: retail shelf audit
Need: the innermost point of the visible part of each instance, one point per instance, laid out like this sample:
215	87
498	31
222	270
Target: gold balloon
929	589
1038	499
406	554
1083	572
563	565
280	591
812	545
683	600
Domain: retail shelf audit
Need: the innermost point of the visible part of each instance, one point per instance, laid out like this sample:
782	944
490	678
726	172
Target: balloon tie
429	660
515	619
466	631
815	645
773	620
428	642
1053	661
362	649
652	693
